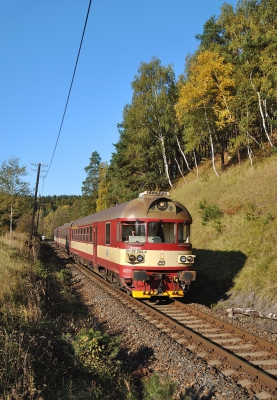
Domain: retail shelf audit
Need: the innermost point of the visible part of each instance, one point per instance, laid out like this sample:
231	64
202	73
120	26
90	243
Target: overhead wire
68	96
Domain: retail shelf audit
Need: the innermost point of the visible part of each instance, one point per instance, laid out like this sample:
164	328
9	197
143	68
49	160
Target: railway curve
249	361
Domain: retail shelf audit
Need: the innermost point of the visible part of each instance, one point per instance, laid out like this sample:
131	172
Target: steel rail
240	364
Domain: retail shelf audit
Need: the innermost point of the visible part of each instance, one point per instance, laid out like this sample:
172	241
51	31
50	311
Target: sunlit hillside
234	233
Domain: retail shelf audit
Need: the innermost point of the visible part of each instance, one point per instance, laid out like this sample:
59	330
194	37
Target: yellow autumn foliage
209	86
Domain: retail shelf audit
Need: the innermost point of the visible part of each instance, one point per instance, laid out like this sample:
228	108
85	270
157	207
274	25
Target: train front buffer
162	280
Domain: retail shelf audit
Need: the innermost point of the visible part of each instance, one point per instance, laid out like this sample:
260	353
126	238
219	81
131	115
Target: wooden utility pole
35	202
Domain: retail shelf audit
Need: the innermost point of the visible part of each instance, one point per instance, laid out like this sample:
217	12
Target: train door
94	257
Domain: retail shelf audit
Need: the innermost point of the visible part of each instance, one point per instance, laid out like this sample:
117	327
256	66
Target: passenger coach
142	245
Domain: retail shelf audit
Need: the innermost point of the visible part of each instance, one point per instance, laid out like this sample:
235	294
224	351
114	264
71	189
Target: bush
209	212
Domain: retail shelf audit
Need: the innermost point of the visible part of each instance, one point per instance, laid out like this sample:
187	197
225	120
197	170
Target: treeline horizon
224	106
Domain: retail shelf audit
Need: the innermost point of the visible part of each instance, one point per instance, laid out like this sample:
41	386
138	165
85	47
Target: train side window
90	234
87	238
183	233
108	233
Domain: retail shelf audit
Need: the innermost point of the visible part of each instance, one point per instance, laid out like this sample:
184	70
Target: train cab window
108	233
133	231
161	232
183	233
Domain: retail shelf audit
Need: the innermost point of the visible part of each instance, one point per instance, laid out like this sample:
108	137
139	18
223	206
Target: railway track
249	360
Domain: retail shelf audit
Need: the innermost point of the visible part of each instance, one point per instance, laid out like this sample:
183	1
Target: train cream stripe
109	254
167	258
84	247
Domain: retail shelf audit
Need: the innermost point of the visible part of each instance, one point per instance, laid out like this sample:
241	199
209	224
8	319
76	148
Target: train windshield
161	232
133	231
155	232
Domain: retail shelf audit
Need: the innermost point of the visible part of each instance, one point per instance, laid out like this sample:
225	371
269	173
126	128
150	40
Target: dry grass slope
234	233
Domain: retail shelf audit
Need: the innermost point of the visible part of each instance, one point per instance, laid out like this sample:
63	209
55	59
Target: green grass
234	232
40	320
49	345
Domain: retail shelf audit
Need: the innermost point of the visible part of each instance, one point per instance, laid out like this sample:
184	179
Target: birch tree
12	186
154	96
251	45
208	93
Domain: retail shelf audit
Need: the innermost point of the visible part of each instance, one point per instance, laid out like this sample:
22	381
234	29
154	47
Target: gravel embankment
149	350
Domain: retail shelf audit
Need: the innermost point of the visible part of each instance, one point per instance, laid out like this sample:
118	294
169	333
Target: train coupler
160	288
185	287
145	284
175	286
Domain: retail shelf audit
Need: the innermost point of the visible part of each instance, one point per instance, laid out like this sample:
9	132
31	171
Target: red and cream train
142	245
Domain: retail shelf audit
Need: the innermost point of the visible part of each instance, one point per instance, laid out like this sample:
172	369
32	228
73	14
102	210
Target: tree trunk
261	111
211	142
165	161
180	170
183	154
249	151
212	150
196	165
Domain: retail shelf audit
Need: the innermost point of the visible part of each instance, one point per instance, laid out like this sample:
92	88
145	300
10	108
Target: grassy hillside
234	233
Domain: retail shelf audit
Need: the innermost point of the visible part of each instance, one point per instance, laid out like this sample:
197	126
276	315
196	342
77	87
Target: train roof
64	226
147	205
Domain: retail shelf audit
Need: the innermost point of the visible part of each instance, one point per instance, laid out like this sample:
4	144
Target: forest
223	107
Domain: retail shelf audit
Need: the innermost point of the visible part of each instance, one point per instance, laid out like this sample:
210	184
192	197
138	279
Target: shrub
209	212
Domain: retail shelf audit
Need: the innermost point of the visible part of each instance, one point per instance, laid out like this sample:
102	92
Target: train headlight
132	258
135	258
189	259
140	258
162	205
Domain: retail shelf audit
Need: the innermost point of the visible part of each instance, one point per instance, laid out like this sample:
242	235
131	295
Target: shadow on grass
58	365
216	271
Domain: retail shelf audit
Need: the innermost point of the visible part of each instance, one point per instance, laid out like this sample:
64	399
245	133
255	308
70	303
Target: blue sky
39	43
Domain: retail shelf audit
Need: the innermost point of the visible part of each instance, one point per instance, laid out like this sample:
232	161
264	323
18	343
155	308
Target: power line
70	88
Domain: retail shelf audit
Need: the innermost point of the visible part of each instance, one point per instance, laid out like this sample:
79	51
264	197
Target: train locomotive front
142	245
